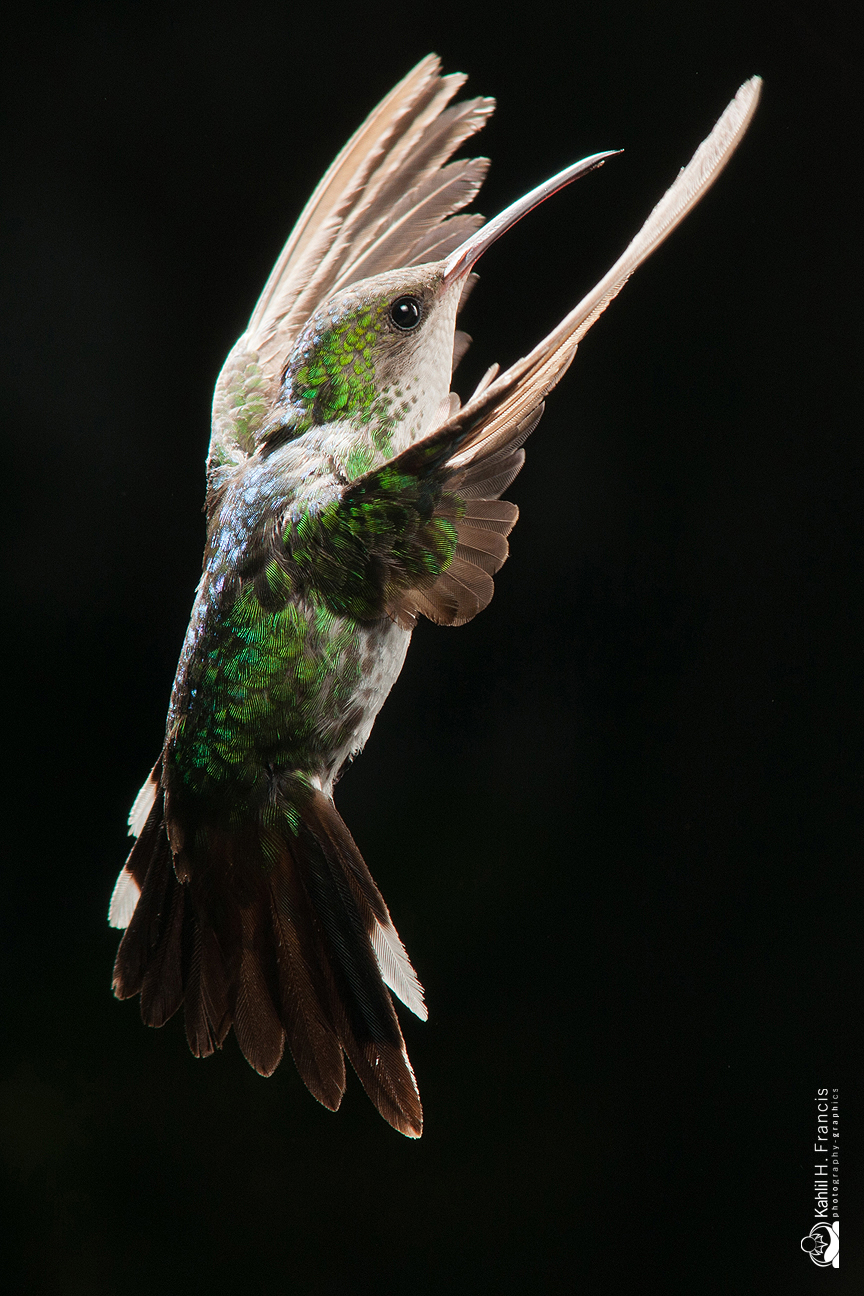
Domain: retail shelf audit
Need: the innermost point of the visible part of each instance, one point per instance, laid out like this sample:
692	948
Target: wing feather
477	452
387	201
497	413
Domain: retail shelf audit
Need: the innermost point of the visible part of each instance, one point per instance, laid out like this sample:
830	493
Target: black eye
405	313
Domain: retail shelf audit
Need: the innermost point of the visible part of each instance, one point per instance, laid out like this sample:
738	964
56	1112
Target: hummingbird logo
348	494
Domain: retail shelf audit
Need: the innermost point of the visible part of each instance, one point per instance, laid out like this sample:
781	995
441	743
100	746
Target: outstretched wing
426	532
387	201
474	456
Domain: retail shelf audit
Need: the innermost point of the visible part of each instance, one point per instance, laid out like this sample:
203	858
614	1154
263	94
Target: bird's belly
297	690
382	656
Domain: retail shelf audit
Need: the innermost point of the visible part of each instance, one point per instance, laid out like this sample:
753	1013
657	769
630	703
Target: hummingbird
349	493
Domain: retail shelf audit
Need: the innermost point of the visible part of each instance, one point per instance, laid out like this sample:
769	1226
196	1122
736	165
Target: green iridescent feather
334	378
259	688
273	681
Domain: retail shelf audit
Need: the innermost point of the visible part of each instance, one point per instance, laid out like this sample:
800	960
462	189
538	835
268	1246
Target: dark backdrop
616	817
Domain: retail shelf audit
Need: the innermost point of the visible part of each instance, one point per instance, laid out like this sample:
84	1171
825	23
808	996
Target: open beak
460	262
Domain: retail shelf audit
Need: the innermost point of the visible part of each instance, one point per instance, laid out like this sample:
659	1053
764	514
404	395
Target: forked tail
274	927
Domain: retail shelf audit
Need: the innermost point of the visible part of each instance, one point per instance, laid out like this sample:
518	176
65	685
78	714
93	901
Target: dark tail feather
150	863
305	991
360	1005
162	987
207	999
279	930
257	1024
362	1008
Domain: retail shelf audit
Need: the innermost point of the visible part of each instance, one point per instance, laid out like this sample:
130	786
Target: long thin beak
460	262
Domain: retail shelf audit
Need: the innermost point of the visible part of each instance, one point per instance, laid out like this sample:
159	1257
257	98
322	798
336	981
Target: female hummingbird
348	493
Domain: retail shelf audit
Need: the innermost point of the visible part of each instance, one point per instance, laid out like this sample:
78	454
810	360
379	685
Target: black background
616	818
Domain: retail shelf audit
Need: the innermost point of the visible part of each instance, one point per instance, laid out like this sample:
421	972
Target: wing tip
743	105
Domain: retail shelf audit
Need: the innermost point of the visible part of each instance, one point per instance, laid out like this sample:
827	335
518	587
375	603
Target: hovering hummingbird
348	493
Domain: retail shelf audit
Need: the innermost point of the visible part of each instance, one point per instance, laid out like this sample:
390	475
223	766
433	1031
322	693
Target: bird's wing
475	455
425	532
488	420
387	201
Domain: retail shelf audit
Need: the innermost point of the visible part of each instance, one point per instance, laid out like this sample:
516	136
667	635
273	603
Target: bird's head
381	351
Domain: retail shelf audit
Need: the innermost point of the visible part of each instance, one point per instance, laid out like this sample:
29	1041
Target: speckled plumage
348	494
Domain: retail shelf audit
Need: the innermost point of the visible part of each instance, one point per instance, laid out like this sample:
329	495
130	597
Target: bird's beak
460	262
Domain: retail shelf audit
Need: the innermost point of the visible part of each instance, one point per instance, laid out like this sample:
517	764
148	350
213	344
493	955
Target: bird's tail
274	927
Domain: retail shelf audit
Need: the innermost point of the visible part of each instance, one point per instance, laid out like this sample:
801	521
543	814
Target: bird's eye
405	313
